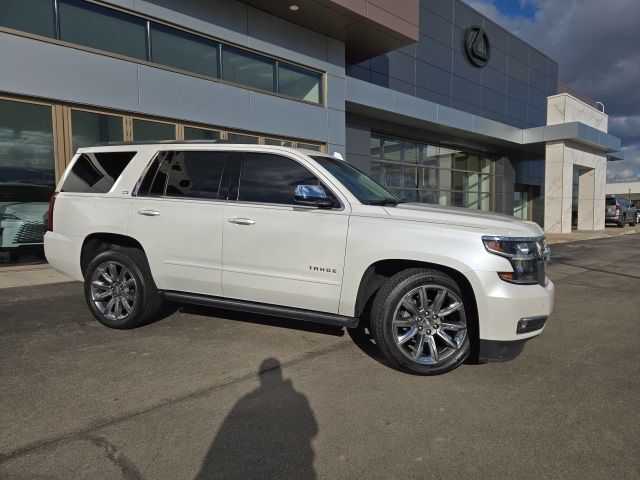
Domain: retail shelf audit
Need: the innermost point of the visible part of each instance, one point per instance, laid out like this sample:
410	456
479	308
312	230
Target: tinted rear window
96	172
611	201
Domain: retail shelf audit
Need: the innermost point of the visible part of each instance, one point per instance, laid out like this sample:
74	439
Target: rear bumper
63	253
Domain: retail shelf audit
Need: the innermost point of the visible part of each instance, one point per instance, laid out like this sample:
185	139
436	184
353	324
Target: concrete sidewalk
42	274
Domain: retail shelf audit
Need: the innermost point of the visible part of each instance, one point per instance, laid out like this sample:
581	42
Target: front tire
419	322
120	290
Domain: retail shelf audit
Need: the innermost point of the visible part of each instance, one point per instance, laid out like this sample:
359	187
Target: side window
96	172
268	178
155	179
196	174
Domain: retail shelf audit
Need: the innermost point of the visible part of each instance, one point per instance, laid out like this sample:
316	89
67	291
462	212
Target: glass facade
147	131
103	28
242	138
33	16
193	133
27	178
91	128
420	172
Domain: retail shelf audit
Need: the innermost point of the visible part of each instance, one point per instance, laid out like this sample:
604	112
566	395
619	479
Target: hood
486	223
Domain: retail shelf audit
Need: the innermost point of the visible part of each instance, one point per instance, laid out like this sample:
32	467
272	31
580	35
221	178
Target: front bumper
502	306
497	351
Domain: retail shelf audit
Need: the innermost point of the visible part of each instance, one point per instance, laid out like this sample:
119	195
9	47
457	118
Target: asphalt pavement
203	394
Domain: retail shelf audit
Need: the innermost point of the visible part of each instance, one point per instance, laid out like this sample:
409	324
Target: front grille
30	232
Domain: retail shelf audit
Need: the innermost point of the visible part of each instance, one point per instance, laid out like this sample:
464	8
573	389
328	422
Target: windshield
363	187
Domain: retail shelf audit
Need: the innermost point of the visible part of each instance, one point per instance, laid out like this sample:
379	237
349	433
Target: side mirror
313	195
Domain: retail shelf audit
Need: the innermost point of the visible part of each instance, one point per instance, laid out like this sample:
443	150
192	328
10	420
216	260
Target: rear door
610	207
279	252
177	217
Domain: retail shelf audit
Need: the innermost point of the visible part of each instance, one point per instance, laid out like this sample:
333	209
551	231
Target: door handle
242	221
148	213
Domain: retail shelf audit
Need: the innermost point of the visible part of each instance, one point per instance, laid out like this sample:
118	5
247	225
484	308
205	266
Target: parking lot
184	398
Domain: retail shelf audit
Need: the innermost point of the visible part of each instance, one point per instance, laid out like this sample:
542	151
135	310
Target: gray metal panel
364	93
537	80
467	107
463	16
31	67
533	135
433	78
404	87
451	117
463	68
466	91
553	132
336	90
199	100
496	102
491	128
518	70
358	140
517	89
433	52
433	96
360	72
518	49
494	80
336	129
128	4
401	66
228	20
538	61
516	109
498	36
444	8
499	60
538	99
407	105
287	120
535	116
435	27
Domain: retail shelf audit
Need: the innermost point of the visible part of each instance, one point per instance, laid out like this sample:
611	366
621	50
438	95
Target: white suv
297	234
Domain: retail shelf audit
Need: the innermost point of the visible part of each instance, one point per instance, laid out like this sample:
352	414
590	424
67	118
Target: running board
261	308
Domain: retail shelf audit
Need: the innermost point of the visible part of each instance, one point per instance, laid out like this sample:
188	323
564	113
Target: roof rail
156	142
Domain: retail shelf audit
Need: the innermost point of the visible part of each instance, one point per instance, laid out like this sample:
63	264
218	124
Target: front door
177	217
276	251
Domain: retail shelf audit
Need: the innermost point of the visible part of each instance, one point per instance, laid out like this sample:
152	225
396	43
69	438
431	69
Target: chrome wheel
114	290
429	324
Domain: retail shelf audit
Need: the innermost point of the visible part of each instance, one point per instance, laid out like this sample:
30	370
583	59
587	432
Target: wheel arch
96	243
378	272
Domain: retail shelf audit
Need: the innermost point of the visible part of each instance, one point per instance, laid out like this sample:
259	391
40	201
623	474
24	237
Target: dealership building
432	99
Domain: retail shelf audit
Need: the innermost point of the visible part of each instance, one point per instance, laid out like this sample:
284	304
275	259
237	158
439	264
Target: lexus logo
477	46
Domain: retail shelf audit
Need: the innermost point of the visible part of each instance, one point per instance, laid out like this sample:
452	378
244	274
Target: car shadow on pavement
267	434
258	319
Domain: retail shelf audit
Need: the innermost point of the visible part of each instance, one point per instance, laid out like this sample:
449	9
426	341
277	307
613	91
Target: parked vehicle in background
22	217
619	210
298	234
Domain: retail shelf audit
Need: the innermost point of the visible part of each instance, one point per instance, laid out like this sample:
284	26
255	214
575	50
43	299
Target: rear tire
419	322
633	221
621	223
119	289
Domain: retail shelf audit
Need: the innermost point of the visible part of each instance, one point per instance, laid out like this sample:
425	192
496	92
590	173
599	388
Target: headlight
527	256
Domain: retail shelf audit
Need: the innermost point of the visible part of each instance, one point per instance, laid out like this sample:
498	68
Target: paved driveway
183	398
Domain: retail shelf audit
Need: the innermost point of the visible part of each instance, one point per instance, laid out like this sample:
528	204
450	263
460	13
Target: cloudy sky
597	46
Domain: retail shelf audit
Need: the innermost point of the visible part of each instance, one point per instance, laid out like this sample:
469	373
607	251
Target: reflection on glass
33	16
88	128
184	51
247	68
26	178
375	145
275	141
240	138
102	28
192	133
145	130
298	83
310	146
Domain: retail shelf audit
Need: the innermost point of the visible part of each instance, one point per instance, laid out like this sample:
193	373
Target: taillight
52	202
617	210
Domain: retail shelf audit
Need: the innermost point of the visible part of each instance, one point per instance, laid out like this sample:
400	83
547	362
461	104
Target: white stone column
558	188
586	199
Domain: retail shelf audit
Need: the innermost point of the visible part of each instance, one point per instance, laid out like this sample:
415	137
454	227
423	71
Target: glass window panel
96	172
299	83
102	28
268	178
377	172
393	150
196	174
393	175
27	178
310	146
375	145
145	130
240	138
474	163
411	195
182	50
460	180
429	156
275	141
193	133
485	183
410	176
429	196
33	16
460	161
410	152
485	165
458	199
88	128
247	68
428	178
